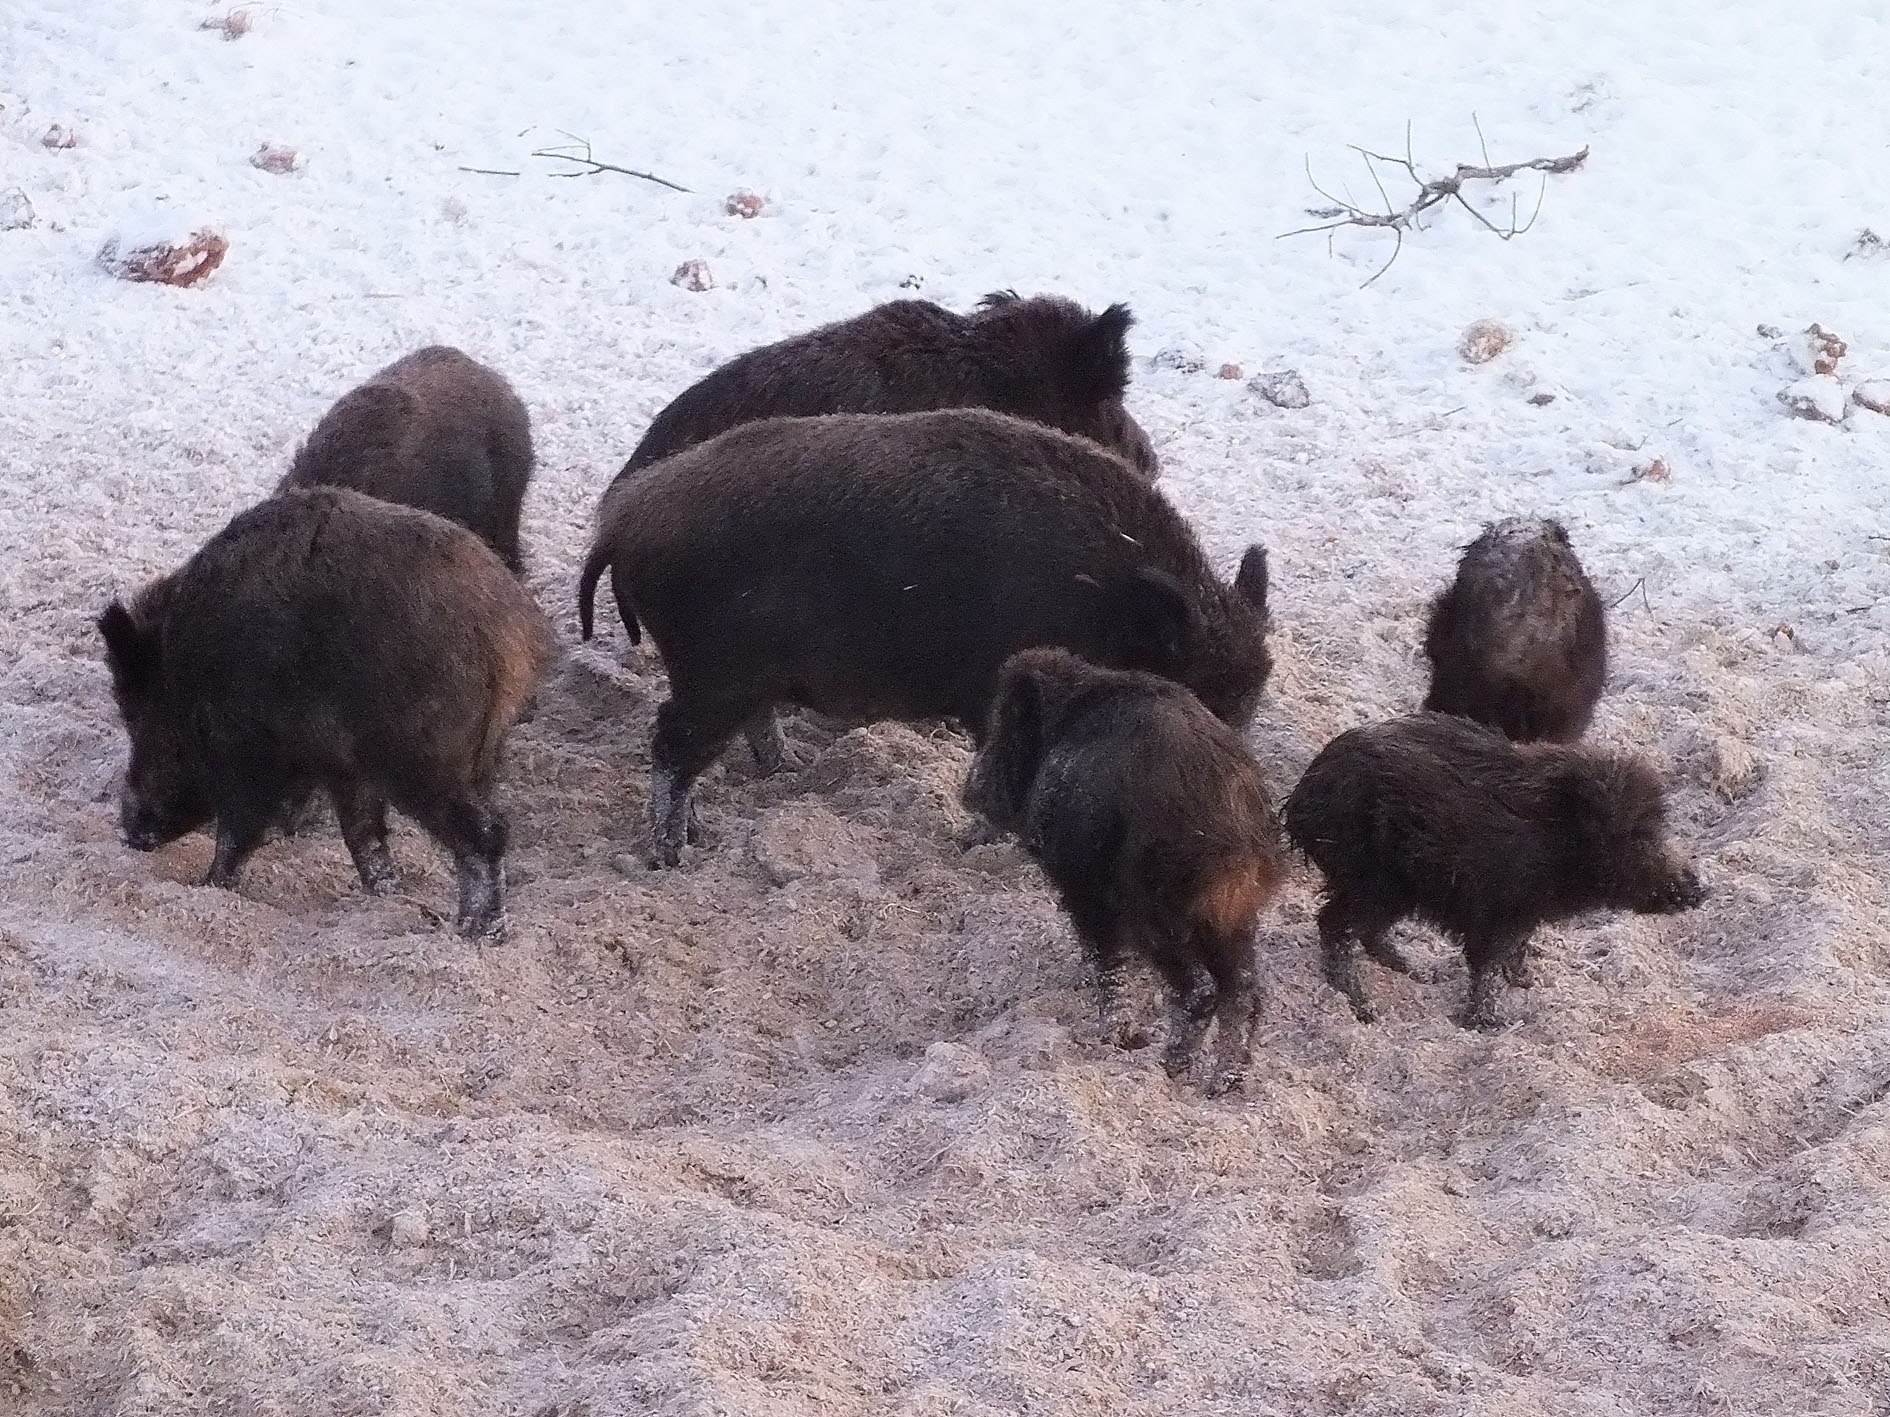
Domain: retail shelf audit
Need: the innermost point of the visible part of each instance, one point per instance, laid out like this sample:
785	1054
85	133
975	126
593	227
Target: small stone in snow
16	210
60	136
1483	340
1540	399
274	157
693	275
746	205
1819	398
1873	394
1182	358
1228	371
1283	388
408	1230
172	263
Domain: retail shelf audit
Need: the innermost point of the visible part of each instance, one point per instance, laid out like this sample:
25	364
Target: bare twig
491	171
1430	193
1641	586
592	167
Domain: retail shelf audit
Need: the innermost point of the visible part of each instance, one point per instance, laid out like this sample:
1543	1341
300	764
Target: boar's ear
1251	579
999	785
131	654
1096	360
1155	621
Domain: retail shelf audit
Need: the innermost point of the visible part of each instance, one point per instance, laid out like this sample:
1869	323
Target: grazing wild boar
1043	358
1520	640
1435	816
1152	821
328	639
435	430
885	566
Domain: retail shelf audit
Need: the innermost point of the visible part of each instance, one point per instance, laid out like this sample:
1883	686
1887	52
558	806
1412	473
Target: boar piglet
1520	640
327	639
885	566
1438	817
1044	358
435	430
1153	823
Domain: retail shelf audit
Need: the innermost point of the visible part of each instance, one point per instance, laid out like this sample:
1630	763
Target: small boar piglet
1153	824
1519	641
871	567
1437	817
435	430
1040	357
325	639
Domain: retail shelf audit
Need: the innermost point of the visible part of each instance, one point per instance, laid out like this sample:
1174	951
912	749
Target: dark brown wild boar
885	566
1043	358
327	639
435	430
1435	816
1152	821
1520	640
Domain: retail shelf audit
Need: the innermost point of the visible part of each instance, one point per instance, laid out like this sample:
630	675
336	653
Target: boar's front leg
249	801
688	737
1338	947
1491	955
362	815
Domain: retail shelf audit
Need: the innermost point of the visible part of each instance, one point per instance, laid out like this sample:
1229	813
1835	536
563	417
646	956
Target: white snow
691	1143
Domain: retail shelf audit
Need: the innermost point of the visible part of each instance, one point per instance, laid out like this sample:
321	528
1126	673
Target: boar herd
913	514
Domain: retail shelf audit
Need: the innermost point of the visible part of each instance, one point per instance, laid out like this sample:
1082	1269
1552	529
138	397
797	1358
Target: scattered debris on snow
16	210
160	253
1819	397
744	204
1181	358
1228	371
1873	394
58	136
274	157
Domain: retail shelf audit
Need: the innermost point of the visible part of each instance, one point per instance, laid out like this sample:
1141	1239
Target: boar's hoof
1481	1015
1364	1010
381	880
664	853
1518	974
1224	1081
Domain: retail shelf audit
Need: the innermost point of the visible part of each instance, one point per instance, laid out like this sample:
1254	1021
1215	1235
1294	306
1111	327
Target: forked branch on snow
578	153
1431	192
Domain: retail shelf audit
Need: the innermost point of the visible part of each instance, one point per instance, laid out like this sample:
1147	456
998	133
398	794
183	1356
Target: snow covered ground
820	1123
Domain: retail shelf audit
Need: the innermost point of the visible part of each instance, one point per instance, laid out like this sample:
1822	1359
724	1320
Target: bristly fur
1519	641
326	639
1152	822
1041	357
1438	817
435	430
885	566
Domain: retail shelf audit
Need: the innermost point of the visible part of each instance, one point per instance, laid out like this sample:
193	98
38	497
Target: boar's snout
145	826
1681	889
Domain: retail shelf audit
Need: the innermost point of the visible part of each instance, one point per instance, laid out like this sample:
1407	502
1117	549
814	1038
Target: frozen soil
820	1122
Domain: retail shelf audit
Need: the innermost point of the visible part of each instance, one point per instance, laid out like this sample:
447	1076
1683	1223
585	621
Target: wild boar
1153	823
885	566
1520	640
1435	816
435	430
328	639
1044	358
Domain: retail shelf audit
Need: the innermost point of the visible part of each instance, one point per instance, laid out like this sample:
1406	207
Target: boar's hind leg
475	834
1340	929
687	740
1229	958
1111	955
362	815
772	754
1490	955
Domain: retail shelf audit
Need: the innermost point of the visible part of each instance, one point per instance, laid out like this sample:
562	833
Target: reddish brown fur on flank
1043	358
1153	823
325	639
886	566
434	430
1435	816
1519	641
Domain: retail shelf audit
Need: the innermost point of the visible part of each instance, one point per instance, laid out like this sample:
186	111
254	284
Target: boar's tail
594	568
